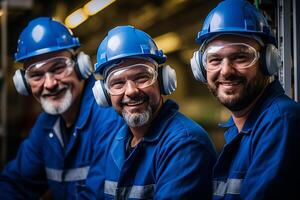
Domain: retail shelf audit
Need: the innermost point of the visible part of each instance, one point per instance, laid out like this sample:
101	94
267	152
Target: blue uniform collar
272	91
86	104
227	124
158	125
167	112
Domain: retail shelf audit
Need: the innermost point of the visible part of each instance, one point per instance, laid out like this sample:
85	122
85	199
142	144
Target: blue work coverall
43	161
262	161
173	161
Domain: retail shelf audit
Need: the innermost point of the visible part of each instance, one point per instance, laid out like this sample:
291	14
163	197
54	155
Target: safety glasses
141	75
237	55
56	67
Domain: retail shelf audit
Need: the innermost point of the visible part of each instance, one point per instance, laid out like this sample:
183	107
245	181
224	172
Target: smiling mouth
54	94
229	83
134	103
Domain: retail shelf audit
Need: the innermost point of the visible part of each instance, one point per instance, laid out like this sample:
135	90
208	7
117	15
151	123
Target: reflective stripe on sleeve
110	187
231	186
75	174
135	191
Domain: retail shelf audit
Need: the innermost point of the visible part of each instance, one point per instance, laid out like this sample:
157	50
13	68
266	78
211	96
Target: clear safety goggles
141	75
57	67
237	55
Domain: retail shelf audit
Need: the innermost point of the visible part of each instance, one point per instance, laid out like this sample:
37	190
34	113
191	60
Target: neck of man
71	114
240	117
139	132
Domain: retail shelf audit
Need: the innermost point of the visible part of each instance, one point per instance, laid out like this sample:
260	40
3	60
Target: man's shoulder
182	131
280	118
42	126
104	114
283	106
275	103
182	126
186	122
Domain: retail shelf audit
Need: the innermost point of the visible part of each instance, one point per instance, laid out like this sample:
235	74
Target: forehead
229	39
46	56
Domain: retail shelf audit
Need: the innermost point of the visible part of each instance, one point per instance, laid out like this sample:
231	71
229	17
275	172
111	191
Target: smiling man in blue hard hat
159	153
59	150
237	60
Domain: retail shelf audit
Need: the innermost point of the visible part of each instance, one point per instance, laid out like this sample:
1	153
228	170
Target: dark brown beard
247	96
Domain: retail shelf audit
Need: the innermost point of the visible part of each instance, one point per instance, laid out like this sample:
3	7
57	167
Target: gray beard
137	119
62	107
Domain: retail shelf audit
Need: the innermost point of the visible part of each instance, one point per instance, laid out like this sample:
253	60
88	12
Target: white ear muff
272	59
84	65
168	80
20	83
100	94
196	65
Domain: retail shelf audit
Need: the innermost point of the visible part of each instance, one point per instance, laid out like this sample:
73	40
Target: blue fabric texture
173	161
262	161
43	162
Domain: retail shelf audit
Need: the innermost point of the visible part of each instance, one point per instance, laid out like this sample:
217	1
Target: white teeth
230	83
134	103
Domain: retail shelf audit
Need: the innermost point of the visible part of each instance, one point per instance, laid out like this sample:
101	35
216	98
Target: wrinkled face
53	81
233	72
134	90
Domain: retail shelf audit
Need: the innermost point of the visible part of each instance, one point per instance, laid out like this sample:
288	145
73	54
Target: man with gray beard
59	150
160	153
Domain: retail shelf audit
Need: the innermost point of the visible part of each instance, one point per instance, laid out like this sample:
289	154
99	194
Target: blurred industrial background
174	25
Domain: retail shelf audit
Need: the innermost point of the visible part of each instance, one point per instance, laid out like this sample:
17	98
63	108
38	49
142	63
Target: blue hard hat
123	42
44	35
235	16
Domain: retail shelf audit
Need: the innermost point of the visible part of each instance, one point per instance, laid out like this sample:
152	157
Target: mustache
137	98
232	78
55	90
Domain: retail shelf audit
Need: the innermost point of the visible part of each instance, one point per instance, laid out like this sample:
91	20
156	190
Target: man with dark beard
58	152
237	58
160	153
